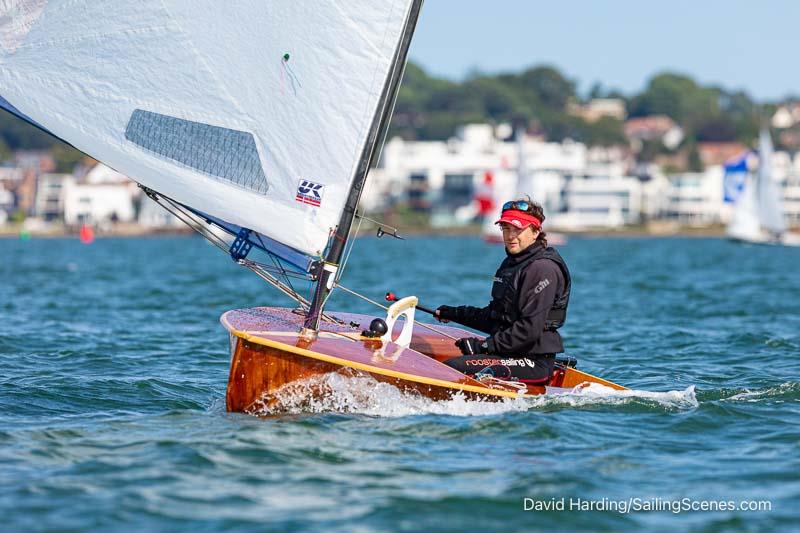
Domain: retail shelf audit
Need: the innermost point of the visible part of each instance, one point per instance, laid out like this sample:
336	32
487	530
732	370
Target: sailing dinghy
255	123
758	215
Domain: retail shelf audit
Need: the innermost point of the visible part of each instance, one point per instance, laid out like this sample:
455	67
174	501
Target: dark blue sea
113	368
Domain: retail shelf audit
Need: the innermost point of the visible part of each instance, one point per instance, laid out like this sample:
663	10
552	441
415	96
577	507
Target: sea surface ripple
113	368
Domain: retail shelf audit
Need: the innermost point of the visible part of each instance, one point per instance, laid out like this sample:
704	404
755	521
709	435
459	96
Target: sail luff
378	129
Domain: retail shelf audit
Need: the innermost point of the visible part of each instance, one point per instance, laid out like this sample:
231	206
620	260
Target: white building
98	204
6	204
445	173
579	187
442	176
696	199
600	202
151	215
102	174
791	193
49	200
11	174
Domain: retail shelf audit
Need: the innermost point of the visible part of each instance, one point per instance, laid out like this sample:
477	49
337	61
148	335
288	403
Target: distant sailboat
758	215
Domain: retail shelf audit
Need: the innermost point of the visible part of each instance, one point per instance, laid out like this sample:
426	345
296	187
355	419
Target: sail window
224	153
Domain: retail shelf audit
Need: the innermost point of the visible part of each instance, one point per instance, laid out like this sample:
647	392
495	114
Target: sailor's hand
472	345
445	313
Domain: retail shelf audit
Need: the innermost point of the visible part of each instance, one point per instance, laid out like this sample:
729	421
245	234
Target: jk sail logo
309	193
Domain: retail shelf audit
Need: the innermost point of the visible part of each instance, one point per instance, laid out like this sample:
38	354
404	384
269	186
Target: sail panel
270	246
255	112
221	152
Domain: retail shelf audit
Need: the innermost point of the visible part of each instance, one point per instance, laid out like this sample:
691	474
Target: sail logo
309	193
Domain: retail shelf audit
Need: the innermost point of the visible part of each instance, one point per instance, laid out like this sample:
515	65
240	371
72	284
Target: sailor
529	302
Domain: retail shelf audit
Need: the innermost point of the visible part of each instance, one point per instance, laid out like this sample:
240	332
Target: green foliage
649	151
607	131
695	163
18	134
428	108
431	108
537	98
674	95
18	216
705	113
5	151
720	128
66	157
548	87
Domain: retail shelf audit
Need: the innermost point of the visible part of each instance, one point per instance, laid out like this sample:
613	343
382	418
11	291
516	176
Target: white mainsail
744	224
255	112
758	214
770	206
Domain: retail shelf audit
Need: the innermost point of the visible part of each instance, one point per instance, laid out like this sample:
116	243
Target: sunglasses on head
517	205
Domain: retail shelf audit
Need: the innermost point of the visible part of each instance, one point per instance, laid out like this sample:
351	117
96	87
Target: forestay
255	112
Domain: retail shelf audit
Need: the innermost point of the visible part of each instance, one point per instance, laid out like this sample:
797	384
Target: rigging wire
262	271
378	223
373	302
280	266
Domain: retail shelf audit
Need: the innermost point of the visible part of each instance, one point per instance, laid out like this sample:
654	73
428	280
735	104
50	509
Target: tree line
538	99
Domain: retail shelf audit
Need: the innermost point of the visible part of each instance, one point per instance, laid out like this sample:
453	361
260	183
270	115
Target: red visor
519	219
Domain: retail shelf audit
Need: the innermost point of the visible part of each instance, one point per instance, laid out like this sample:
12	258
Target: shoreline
60	232
418	231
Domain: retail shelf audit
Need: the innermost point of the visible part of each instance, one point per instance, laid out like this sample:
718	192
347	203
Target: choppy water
113	369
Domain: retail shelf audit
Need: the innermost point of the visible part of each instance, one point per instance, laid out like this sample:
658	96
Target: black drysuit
529	302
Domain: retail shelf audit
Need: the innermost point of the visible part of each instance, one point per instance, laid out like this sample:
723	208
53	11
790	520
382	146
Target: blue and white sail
254	112
735	177
758	215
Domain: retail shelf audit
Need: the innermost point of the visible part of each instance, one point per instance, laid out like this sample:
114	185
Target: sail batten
255	112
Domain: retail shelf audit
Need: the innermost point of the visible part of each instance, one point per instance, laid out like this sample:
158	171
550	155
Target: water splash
361	394
596	394
789	391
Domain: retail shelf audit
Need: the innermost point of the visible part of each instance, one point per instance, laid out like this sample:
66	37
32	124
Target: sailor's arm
473	317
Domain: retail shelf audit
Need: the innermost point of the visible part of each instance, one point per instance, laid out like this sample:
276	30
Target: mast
326	273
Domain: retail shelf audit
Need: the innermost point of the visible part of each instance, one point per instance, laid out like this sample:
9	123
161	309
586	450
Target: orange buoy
87	234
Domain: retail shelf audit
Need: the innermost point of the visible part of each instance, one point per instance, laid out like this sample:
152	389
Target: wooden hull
268	355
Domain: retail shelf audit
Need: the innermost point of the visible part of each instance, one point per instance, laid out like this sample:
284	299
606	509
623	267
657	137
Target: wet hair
536	210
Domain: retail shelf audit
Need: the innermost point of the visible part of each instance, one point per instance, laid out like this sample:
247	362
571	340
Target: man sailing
529	302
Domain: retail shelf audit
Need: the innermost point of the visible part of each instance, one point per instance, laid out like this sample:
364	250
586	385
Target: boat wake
596	394
360	394
789	391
